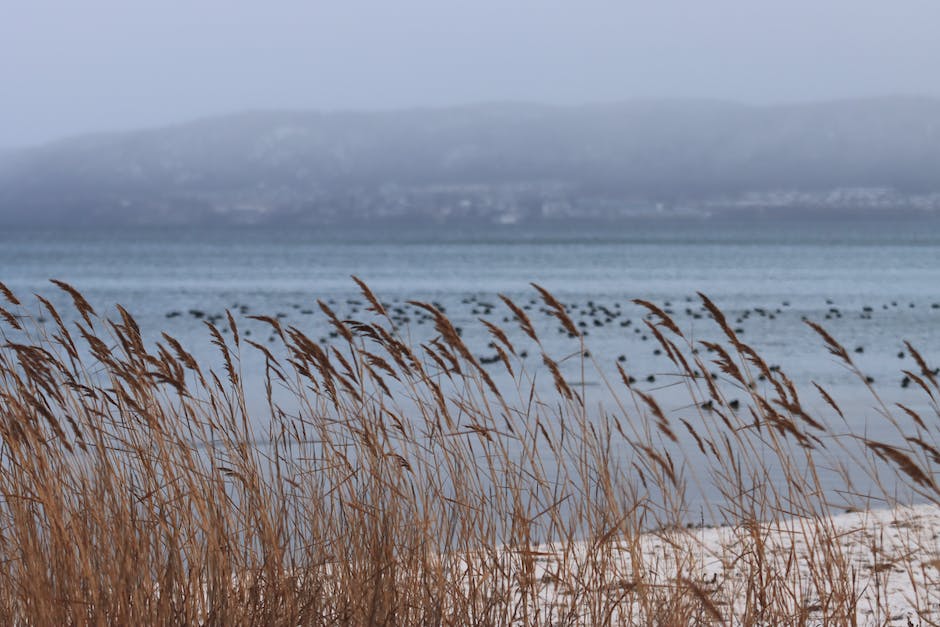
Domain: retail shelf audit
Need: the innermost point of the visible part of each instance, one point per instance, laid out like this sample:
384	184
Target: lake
871	283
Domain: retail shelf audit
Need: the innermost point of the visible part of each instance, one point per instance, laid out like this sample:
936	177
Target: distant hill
502	162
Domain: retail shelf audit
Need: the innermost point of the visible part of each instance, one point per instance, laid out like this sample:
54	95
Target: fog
68	68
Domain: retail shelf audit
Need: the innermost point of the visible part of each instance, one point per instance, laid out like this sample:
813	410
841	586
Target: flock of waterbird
589	316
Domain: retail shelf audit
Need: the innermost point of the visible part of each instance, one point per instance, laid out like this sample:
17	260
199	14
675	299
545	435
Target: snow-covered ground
886	562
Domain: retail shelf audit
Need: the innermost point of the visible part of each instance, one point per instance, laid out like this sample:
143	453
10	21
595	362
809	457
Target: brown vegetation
402	484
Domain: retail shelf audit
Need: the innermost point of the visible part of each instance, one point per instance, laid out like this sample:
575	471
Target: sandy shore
889	560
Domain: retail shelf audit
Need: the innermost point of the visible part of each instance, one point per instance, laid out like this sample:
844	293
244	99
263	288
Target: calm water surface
873	284
787	270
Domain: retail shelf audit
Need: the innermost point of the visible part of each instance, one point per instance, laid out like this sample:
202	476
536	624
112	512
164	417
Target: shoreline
893	555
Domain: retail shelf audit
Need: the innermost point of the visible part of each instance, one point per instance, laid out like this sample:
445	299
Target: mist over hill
489	163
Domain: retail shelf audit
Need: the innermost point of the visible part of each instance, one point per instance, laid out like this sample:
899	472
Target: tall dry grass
403	484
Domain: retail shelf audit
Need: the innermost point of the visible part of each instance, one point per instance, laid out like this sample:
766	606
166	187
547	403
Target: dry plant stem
394	483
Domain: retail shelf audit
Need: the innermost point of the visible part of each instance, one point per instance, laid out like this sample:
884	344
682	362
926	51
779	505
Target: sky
69	67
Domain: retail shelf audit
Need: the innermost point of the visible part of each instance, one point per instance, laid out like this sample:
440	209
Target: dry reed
388	483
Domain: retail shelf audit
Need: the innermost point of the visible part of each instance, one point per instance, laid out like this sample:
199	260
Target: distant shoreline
490	164
717	219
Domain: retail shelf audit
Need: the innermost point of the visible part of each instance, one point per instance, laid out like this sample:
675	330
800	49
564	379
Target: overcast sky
75	66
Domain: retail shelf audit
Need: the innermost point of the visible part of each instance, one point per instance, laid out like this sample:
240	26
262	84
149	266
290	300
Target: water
789	270
871	283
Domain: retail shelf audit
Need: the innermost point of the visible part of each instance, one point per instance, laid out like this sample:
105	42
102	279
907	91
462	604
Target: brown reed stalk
380	481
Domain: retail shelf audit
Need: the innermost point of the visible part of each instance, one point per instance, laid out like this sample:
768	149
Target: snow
887	559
